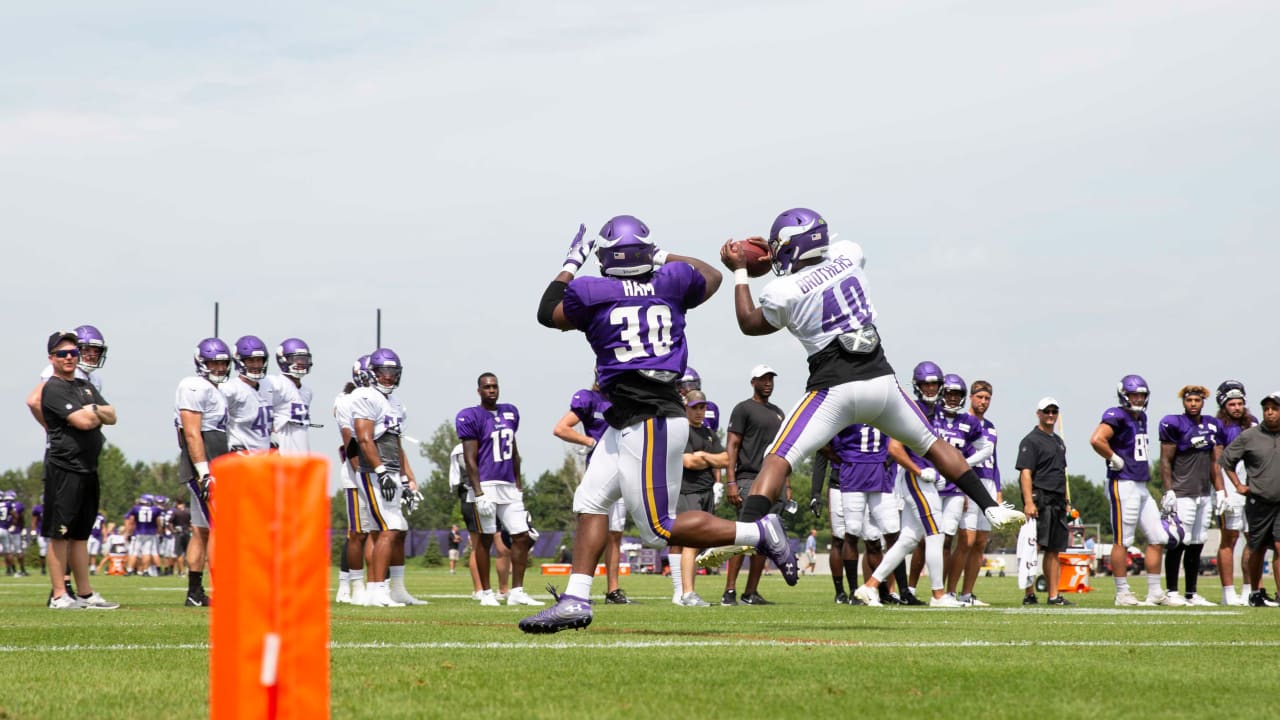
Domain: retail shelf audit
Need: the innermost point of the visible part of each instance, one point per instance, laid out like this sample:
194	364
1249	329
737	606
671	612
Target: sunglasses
66	353
1050	411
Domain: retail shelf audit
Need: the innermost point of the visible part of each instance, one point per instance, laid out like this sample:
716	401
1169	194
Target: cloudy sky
1048	198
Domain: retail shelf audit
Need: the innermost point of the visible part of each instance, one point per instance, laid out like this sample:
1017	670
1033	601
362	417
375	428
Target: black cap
59	336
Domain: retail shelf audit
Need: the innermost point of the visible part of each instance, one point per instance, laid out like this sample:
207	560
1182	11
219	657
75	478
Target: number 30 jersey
495	433
819	304
636	324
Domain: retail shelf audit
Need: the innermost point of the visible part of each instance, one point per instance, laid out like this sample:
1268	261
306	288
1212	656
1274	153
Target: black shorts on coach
1262	516
70	504
1051	525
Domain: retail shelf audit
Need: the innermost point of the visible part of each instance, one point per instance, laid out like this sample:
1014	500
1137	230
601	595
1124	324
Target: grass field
803	656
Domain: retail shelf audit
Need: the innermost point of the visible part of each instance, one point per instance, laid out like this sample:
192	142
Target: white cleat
1198	601
402	596
1168	599
717	556
344	594
502	596
1126	598
382	598
477	594
868	595
971	600
946	601
1239	601
518	596
359	593
489	599
692	599
676	598
1004	515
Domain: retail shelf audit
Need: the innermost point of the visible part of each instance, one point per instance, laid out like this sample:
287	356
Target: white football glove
1219	502
1115	462
579	250
717	493
485	507
932	476
1169	502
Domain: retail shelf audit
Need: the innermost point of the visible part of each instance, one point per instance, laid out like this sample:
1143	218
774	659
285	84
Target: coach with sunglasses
1042	473
74	413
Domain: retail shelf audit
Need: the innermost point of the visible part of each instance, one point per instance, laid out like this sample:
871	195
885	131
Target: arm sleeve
820	464
982	449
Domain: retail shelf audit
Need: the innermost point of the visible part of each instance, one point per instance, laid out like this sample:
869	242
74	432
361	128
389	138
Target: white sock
344	576
396	571
933	560
1122	584
677	576
1228	594
579	586
1154	584
356	576
747	534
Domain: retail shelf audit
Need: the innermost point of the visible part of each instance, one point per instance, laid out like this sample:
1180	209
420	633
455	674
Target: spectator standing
1042	472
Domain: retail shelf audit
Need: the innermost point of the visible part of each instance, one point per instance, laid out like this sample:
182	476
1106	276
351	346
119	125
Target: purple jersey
633	324
1128	440
6	514
964	432
711	420
1194	440
144	517
98	522
863	451
989	469
589	406
1231	431
496	434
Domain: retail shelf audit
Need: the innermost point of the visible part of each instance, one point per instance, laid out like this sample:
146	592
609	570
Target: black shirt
758	424
67	448
1045	455
700	438
832	366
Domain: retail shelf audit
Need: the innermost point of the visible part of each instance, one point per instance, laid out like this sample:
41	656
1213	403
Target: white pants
974	518
1132	506
643	464
835	508
1233	517
618	516
823	413
869	515
1194	514
359	514
383	514
508	502
952	511
144	546
94	545
923	505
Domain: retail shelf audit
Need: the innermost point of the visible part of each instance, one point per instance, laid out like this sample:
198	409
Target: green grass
802	657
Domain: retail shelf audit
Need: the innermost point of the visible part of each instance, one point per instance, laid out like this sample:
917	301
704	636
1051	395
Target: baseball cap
1046	402
1273	397
61	335
760	371
695	397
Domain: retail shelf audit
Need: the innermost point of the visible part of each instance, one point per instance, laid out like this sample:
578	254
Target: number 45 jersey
635	324
819	304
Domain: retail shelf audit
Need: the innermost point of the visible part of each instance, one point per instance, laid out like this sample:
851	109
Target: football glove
1219	502
206	488
485	507
1169	502
579	249
815	506
930	475
717	493
387	481
1115	462
411	499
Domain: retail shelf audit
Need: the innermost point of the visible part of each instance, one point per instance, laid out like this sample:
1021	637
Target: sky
1050	196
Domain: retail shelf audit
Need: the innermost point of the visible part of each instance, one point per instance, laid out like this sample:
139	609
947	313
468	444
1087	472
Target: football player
12	529
377	417
351	587
492	457
691	380
821	298
974	528
1121	439
94	544
249	400
141	522
1190	446
1235	418
93	355
965	432
200	415
869	507
20	541
291	400
587	407
499	553
166	541
827	473
634	319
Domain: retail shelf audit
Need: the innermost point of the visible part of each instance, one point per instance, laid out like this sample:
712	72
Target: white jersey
93	378
342	414
248	415
291	414
821	302
199	395
387	414
457	467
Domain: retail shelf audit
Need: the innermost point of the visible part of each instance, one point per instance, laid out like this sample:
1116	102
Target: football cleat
868	595
1004	515
842	599
1169	599
1199	601
518	596
753	598
775	545
489	599
358	594
909	598
1059	601
730	597
403	597
1030	600
344	595
568	613
716	556
1126	598
64	602
200	600
381	597
946	601
96	602
617	597
692	599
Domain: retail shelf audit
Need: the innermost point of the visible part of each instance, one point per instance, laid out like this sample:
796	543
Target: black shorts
1051	527
1263	517
744	489
70	504
689	502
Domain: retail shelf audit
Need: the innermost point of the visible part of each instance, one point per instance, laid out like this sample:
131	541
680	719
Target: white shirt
342	414
386	411
822	301
291	414
248	413
199	395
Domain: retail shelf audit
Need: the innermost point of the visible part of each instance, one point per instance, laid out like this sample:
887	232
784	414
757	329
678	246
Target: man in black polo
704	457
1042	472
1259	448
74	413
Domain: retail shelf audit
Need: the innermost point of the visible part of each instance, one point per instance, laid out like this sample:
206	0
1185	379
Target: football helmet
250	346
797	234
1230	390
952	384
689	381
1132	384
1174	530
10	495
88	339
294	357
160	499
624	248
384	370
360	372
146	499
208	350
926	372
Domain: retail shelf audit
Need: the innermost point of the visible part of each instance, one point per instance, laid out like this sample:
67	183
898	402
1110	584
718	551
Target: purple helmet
1230	390
797	234
87	336
384	364
161	499
624	248
926	372
208	350
1132	384
10	495
691	380
294	357
1173	528
250	346
951	384
146	499
360	371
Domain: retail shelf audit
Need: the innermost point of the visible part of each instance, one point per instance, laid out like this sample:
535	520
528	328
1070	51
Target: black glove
815	506
206	488
388	483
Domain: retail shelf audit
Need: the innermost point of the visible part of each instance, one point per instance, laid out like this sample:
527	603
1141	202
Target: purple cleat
775	546
568	613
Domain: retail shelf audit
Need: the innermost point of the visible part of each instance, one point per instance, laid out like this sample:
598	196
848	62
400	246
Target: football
759	261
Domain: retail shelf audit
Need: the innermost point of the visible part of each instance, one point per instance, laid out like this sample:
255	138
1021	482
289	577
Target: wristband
660	258
731	482
570	268
380	469
202	468
740	277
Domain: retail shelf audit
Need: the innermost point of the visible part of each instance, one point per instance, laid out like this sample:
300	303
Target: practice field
802	657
